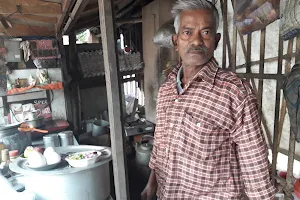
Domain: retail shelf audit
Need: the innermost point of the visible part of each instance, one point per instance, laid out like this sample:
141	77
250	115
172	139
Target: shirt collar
207	73
179	75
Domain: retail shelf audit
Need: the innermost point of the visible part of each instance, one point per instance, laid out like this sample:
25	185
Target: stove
139	128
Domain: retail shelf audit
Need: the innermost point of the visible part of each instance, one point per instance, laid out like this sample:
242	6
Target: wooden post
234	41
111	65
261	68
225	31
74	85
277	105
248	56
66	77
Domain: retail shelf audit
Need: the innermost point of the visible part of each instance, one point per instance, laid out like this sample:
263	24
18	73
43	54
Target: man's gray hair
181	5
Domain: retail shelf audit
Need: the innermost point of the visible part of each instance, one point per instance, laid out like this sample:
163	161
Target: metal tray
20	164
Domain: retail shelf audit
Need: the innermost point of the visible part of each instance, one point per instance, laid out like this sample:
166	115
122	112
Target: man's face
197	38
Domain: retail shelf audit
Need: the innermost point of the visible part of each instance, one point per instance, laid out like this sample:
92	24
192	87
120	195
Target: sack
253	15
163	36
290	21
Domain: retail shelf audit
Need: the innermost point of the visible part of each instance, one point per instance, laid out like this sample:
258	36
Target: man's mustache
201	49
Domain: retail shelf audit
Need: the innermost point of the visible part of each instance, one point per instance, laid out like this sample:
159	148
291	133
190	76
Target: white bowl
84	161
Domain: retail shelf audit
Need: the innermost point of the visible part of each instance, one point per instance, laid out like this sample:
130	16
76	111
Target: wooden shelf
37	88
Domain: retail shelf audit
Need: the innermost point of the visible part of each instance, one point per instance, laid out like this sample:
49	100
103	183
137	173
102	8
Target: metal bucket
100	127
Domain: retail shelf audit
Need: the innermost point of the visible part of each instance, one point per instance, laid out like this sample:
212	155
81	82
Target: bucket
100	127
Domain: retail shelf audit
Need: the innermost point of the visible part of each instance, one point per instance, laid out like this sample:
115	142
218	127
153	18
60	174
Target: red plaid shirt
208	141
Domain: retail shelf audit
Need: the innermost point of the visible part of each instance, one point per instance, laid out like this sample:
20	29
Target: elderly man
208	141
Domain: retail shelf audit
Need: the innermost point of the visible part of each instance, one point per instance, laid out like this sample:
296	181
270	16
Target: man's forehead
201	16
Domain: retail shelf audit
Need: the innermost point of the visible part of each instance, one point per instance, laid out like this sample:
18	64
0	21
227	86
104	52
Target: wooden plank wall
230	52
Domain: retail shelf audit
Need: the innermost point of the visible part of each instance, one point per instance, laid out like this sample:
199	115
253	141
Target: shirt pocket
201	140
201	154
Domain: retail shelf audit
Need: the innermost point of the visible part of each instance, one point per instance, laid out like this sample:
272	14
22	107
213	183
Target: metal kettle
143	150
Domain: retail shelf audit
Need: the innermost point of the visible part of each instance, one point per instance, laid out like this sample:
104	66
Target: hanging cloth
291	90
25	46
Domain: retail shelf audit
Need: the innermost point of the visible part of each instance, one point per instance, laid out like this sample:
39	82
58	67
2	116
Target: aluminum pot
100	127
35	123
144	149
13	139
91	182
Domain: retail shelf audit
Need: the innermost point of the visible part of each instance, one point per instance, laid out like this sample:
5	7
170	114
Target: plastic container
51	140
297	188
66	138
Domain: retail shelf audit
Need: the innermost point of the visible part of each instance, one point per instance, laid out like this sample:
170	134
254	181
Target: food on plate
39	149
83	159
83	155
28	150
13	154
51	156
36	159
48	151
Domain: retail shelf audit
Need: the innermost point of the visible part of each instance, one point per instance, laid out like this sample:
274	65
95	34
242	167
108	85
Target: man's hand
149	192
150	189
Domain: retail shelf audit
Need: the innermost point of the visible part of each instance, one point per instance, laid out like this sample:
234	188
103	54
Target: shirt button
198	124
171	125
176	100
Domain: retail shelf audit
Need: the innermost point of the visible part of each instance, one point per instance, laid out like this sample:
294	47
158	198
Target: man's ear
218	37
174	39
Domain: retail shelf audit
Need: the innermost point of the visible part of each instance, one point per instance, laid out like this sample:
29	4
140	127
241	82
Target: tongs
28	128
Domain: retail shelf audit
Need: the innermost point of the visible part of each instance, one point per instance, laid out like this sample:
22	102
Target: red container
297	188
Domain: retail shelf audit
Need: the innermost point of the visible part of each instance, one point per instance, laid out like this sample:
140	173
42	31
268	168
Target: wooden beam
32	23
24	30
261	68
89	12
30	7
74	16
129	21
278	77
67	5
268	60
113	87
18	16
53	1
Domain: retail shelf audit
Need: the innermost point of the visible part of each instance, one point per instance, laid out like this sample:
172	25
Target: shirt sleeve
154	150
252	151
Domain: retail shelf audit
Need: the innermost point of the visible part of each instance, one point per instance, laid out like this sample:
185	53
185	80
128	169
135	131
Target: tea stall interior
88	95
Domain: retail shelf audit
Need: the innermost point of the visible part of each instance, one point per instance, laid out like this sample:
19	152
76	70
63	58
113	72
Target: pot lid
19	165
146	147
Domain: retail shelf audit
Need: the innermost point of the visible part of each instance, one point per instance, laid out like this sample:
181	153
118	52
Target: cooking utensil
64	179
28	128
66	138
51	140
35	123
33	115
13	139
143	150
100	127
